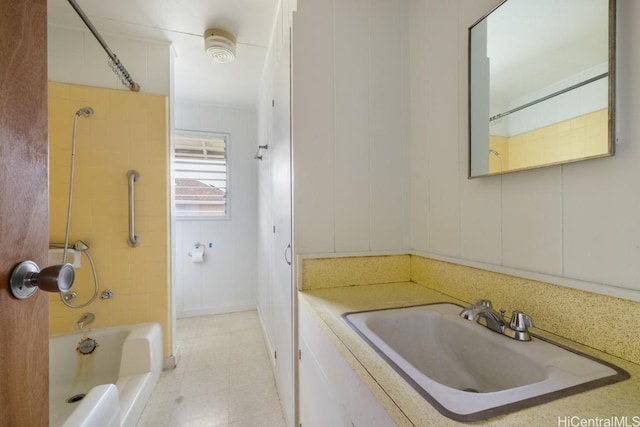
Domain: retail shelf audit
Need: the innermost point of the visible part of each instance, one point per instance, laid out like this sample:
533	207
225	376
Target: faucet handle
520	321
484	303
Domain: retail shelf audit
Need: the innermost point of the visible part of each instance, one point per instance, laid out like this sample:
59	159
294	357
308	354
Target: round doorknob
26	278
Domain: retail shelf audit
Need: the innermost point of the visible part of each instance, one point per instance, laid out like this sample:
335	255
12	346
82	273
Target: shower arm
118	67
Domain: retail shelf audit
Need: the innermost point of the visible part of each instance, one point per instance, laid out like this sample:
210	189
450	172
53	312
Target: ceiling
183	22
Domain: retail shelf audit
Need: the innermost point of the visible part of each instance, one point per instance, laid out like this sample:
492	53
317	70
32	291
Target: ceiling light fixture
220	45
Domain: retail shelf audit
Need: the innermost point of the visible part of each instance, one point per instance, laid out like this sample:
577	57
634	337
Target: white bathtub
128	356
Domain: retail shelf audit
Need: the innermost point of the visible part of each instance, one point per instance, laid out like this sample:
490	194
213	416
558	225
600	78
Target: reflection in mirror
541	78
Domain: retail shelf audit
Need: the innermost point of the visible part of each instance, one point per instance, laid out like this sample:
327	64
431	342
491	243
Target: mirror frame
611	94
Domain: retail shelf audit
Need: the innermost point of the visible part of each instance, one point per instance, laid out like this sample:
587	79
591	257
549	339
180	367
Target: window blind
200	176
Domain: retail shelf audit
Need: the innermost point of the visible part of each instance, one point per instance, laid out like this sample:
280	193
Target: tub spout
85	320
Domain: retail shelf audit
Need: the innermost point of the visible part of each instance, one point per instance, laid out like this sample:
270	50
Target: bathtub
128	356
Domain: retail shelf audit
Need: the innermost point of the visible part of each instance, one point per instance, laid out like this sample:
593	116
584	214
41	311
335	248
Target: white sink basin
469	372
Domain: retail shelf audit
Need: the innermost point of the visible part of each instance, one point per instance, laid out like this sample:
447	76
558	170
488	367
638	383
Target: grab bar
134	241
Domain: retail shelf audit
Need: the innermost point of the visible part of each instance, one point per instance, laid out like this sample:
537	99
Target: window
200	175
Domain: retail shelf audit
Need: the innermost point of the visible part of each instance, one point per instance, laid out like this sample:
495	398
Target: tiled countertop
408	408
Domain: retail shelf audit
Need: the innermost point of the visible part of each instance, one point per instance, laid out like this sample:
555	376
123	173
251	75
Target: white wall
76	57
350	126
574	225
227	279
265	214
266	209
577	224
276	299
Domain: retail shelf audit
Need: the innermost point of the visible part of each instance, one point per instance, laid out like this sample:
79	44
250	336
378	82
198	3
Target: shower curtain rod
114	62
552	95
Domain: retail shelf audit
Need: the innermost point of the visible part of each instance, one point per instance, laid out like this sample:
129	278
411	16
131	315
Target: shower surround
127	131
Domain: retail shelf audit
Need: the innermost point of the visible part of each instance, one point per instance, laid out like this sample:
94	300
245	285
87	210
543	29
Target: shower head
494	152
85	111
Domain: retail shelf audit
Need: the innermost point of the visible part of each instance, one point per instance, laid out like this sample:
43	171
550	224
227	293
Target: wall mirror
541	84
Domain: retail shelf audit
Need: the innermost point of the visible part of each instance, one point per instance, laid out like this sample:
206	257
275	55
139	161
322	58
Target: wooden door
24	324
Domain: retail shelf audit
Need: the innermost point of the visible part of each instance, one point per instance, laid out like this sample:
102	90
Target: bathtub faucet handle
106	294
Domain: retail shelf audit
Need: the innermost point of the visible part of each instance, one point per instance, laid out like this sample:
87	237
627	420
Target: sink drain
76	398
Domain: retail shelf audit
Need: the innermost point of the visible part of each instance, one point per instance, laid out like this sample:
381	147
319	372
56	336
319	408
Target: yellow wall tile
501	162
582	136
59	90
118	137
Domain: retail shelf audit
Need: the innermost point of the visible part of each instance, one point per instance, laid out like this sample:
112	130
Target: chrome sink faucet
471	312
482	312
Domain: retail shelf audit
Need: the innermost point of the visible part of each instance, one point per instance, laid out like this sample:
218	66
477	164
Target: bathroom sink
470	373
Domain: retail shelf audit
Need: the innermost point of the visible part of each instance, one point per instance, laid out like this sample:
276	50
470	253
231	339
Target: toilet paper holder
197	255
